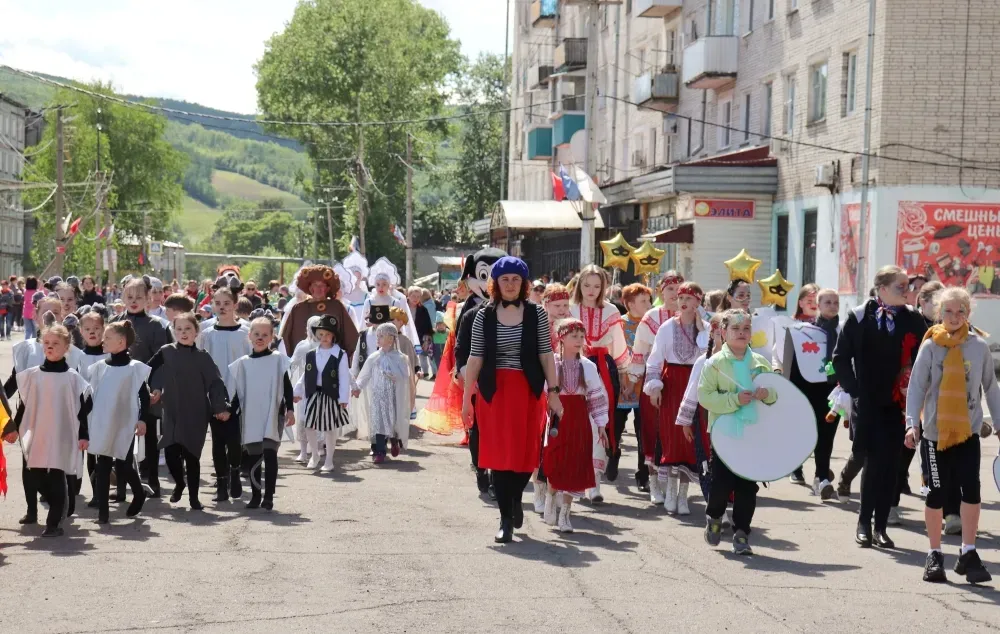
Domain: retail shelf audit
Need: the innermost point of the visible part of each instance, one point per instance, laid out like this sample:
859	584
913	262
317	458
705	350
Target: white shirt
323	356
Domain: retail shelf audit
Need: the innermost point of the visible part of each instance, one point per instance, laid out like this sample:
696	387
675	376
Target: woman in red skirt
678	344
509	365
569	448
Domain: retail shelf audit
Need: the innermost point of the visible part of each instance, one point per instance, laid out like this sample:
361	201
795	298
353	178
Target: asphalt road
407	547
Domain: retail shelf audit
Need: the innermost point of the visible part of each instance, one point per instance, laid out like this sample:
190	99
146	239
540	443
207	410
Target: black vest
531	365
331	376
362	348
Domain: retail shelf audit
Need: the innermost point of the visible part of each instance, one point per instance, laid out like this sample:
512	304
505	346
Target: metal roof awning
442	260
684	234
541	215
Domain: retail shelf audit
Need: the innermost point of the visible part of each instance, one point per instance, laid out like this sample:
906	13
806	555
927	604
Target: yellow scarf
952	407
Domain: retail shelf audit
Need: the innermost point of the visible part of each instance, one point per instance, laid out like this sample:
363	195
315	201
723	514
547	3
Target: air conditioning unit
824	175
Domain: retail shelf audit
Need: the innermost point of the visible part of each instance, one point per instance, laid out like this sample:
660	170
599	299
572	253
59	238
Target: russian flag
558	193
569	186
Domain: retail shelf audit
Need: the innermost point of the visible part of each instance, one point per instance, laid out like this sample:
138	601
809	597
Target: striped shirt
508	344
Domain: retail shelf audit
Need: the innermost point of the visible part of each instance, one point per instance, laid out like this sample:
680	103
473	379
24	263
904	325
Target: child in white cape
385	379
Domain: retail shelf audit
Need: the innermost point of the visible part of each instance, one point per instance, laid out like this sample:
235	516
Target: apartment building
12	131
763	147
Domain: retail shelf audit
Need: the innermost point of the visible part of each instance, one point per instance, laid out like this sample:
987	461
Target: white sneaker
682	499
326	468
816	487
564	525
551	515
655	492
953	525
302	458
540	496
670	495
827	492
594	495
895	518
313	462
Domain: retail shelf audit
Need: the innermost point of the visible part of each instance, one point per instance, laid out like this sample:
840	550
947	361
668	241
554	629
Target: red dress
677	451
568	461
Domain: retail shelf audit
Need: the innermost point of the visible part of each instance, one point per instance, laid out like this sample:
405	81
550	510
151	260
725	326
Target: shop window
809	223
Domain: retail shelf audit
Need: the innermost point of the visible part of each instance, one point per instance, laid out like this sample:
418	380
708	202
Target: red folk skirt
568	459
649	421
676	450
443	412
601	357
509	438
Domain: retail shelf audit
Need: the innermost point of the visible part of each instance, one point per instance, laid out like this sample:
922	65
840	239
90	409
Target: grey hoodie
925	381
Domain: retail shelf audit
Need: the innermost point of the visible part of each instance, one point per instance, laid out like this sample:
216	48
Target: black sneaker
844	489
28	520
797	477
713	531
53	531
934	568
178	492
972	567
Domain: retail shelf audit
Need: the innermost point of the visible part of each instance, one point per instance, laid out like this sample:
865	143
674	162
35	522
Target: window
725	124
809	247
793	5
726	17
817	92
768	105
746	117
750	17
671	47
770	9
849	89
789	103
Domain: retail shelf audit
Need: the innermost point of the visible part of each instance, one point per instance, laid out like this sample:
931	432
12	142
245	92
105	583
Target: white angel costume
385	270
259	383
347	285
296	370
296	295
385	383
113	419
357	265
50	429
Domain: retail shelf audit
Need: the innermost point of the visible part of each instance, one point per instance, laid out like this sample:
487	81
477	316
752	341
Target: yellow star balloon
617	252
774	290
743	267
647	258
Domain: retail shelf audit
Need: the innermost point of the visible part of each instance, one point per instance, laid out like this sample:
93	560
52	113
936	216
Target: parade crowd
541	379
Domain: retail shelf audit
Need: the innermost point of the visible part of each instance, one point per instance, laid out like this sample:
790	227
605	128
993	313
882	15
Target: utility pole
506	119
315	235
862	281
590	109
329	222
361	181
409	209
57	263
145	236
98	267
108	224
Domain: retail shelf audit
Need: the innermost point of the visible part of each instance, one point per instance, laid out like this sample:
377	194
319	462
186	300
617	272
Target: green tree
367	60
477	183
146	174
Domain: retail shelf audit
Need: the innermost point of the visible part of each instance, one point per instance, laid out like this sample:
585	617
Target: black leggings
879	437
269	461
621	417
509	487
826	433
52	484
151	463
177	458
744	492
227	446
102	479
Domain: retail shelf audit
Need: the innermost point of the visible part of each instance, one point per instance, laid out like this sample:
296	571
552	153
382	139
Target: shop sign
736	209
956	243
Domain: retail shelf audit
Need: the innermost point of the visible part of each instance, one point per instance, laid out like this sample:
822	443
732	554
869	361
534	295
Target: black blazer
531	365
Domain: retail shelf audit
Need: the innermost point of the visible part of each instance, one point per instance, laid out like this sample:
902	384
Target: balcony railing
657	92
656	8
571	103
711	62
538	76
570	55
543	14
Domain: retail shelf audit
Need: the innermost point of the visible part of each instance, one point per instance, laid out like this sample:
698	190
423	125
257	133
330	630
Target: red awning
683	234
755	156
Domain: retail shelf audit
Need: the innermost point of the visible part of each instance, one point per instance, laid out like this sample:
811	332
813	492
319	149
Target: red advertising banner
850	246
956	243
738	209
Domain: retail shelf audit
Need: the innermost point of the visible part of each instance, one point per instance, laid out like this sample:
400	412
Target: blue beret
509	265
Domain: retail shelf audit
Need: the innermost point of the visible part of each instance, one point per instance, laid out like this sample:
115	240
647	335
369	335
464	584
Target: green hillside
239	186
197	220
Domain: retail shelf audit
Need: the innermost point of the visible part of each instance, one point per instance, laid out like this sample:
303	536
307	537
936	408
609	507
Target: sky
201	51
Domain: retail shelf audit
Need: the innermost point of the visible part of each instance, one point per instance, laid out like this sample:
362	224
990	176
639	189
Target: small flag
558	193
106	232
587	188
73	228
398	234
568	184
355	244
142	257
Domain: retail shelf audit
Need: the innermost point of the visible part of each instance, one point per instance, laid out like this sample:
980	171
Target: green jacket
718	393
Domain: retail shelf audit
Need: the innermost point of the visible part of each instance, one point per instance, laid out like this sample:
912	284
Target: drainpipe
614	93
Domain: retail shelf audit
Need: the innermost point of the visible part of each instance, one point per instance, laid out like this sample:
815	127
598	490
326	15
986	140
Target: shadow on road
787	566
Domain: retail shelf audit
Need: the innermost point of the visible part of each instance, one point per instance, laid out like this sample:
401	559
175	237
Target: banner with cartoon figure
850	245
955	243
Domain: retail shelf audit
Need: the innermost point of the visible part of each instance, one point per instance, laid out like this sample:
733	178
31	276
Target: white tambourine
996	472
779	442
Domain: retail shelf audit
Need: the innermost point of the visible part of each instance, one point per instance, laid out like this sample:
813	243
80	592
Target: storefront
545	234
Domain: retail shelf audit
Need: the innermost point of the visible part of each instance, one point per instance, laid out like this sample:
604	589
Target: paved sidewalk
407	547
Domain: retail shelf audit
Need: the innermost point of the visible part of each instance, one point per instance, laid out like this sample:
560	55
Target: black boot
863	535
235	484
506	532
29	519
611	473
178	492
482	480
138	499
221	489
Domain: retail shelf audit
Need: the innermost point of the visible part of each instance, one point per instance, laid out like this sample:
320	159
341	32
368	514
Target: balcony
568	118
657	92
656	8
711	62
543	14
538	76
539	143
570	55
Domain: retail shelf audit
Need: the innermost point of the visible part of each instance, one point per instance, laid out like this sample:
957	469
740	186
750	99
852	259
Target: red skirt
443	412
676	450
602	359
649	421
569	462
509	438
